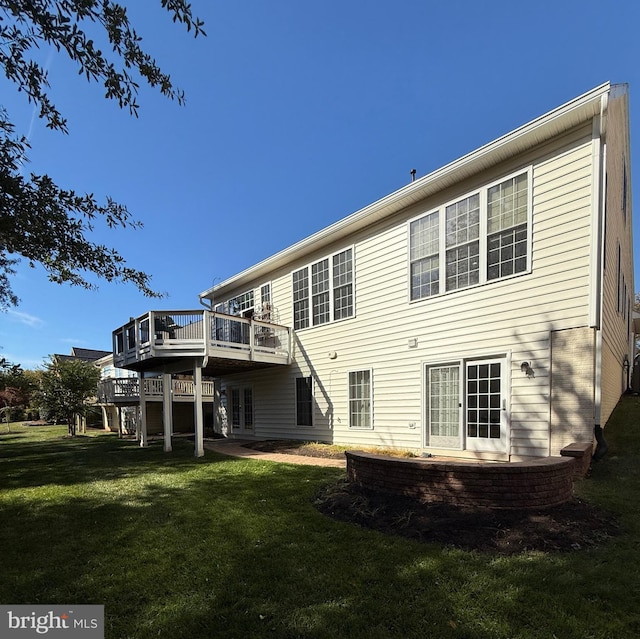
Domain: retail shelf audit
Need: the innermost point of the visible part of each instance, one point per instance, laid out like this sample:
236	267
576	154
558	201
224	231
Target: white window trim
371	390
308	266
483	236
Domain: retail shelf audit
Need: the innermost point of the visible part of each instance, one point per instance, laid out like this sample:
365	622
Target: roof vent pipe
413	175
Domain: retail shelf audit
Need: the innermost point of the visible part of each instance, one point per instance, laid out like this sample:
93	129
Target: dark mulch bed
573	526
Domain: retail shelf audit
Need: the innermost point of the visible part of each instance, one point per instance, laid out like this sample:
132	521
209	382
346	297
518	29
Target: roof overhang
564	118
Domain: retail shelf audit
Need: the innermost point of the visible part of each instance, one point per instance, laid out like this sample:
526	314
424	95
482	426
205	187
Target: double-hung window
462	239
425	262
320	303
323	291
507	216
301	298
475	239
360	399
343	284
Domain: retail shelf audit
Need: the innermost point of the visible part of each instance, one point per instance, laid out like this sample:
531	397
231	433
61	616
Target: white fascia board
563	118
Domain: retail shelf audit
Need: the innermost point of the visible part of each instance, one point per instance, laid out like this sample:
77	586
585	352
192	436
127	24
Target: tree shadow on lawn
75	460
236	549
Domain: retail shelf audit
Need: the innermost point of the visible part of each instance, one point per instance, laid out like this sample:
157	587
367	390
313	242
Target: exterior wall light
527	370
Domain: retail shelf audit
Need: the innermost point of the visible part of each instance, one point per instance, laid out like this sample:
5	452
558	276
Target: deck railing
173	334
112	391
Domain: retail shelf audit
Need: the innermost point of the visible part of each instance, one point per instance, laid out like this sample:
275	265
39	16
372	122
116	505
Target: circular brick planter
532	484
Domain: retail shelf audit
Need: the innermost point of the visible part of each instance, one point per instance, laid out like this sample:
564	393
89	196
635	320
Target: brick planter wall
582	453
532	484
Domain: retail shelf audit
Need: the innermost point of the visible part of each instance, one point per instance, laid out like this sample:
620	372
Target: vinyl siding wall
617	340
512	318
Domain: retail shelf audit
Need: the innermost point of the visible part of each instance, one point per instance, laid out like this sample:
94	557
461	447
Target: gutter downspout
208	306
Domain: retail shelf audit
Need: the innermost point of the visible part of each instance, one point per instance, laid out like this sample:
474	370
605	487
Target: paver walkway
234	448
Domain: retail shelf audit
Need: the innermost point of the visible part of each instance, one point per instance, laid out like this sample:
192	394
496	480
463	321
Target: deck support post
167	411
143	412
198	416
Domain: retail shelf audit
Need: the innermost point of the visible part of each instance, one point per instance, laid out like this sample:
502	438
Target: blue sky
297	115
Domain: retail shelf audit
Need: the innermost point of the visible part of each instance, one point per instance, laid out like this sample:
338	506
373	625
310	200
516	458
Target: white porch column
105	418
167	411
119	418
198	416
143	411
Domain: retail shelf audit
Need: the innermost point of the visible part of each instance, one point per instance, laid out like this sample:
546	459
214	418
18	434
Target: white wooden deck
126	390
170	341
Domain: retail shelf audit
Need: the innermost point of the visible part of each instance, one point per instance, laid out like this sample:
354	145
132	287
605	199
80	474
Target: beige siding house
482	311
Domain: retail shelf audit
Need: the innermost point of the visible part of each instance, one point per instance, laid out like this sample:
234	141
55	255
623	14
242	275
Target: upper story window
484	237
323	291
241	304
265	297
462	233
507	215
252	303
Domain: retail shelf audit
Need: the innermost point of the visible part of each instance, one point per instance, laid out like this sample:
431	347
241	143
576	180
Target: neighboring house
82	354
481	311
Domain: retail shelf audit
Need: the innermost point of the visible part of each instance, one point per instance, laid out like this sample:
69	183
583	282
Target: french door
444	406
466	405
241	409
486	427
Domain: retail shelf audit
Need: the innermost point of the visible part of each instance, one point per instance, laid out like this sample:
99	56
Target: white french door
486	423
466	405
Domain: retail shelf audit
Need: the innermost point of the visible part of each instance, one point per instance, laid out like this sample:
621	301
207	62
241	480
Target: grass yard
179	547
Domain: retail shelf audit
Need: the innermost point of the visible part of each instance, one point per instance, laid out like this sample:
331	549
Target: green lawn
180	547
